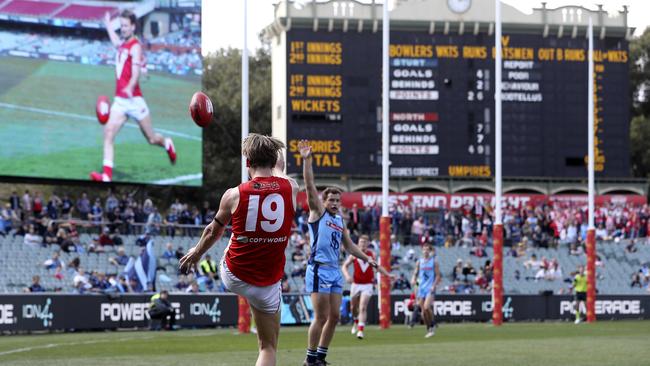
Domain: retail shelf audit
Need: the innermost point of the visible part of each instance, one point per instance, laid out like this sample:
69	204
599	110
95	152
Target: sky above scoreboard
223	27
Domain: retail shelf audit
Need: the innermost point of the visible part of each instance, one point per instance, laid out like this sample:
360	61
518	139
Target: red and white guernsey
363	272
123	68
261	227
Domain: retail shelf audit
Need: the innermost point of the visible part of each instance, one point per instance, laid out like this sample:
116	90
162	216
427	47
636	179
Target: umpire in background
160	308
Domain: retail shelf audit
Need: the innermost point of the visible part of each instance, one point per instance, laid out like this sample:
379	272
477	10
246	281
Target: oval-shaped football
201	109
103	109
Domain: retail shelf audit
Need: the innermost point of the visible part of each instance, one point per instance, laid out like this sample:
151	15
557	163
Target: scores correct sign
442	104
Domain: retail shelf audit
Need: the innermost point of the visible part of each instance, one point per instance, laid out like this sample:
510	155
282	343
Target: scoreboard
442	104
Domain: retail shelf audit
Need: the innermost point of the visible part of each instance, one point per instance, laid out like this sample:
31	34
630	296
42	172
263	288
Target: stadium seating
31	7
95	52
85	12
60	10
19	263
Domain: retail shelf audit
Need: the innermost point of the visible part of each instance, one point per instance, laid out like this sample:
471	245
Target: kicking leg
155	138
268	332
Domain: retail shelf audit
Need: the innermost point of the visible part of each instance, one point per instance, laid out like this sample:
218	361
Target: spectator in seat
576	249
83	206
631	246
532	263
7	218
193	288
179	253
457	271
114	219
394	243
66	207
122	285
81	282
481	281
554	272
171	222
64	242
100	283
96	212
401	283
105	239
468	270
121	259
154	220
636	279
209	267
35	286
32	239
50	235
169	253
54	263
601	233
184	282
161	308
74	263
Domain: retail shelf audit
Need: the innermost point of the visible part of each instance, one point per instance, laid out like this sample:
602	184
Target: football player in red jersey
128	100
362	285
261	211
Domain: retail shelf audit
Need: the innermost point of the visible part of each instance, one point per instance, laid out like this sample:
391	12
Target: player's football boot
360	334
99	177
353	331
171	150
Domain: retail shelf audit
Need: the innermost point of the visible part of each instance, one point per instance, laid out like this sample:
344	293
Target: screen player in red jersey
128	100
261	212
362	280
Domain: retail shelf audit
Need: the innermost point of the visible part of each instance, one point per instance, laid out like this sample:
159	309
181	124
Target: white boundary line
179	179
53	345
88	118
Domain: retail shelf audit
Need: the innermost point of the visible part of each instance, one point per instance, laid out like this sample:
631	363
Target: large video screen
442	104
57	58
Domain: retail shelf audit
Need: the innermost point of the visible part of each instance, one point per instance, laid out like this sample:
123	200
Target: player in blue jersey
427	275
324	278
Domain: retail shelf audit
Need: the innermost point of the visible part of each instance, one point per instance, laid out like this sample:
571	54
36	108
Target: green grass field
48	126
623	343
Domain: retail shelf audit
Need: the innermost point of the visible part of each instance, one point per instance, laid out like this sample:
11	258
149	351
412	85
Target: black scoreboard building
328	90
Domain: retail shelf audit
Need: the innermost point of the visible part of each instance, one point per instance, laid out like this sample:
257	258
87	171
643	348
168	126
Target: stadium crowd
166	57
56	222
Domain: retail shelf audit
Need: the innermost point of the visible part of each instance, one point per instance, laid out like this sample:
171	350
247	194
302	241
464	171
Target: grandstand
22	262
82	11
32	30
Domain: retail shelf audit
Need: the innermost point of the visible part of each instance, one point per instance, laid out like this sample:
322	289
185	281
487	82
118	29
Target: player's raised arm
213	231
278	171
316	208
354	250
115	39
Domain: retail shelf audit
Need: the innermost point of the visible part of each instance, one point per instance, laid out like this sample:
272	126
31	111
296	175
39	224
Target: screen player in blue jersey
427	275
324	279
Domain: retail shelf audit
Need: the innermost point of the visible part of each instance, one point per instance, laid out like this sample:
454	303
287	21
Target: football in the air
103	109
201	109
